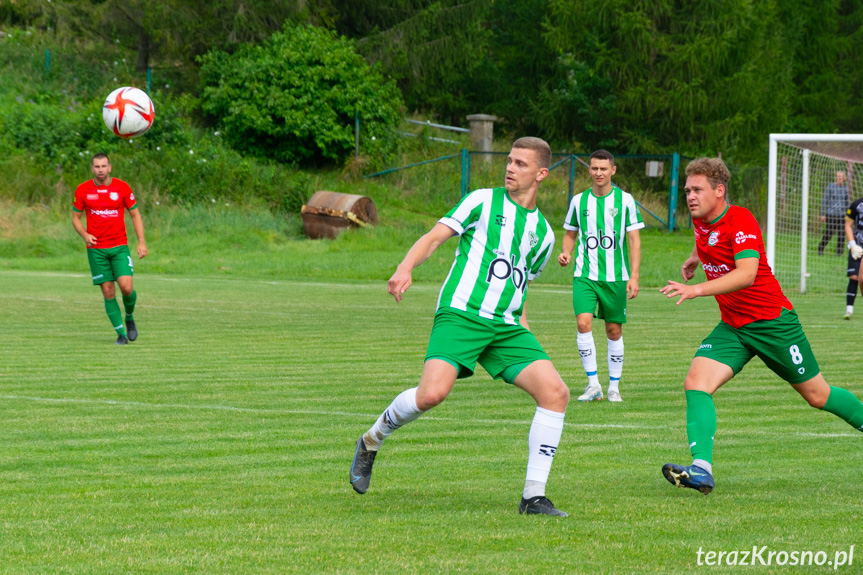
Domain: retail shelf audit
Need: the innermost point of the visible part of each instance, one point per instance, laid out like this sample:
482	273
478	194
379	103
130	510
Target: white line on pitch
296	411
211	407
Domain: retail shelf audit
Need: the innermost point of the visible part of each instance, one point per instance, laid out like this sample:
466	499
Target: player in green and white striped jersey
606	268
504	242
502	246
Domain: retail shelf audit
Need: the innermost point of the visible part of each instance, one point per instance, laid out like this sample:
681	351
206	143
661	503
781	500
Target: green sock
112	308
844	404
700	424
129	303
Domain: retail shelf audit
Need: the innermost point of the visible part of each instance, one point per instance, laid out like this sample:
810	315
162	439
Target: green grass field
220	441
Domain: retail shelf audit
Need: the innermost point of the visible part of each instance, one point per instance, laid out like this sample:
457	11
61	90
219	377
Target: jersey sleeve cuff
746	254
74	209
635	226
570	228
453	224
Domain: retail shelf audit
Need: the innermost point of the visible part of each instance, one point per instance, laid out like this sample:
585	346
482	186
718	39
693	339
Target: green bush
294	98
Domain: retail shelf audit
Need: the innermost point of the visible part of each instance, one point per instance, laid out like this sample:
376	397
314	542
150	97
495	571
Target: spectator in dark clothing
833	206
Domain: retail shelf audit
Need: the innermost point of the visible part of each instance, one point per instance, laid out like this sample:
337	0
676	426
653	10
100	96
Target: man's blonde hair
713	169
538	145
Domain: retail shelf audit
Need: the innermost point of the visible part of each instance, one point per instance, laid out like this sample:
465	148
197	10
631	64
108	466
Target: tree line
645	76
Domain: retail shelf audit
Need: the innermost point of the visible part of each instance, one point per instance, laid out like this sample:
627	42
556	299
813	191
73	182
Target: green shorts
107	265
780	343
605	300
464	339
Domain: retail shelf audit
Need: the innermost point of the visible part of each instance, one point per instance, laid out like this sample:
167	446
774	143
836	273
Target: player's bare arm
568	245
688	268
634	240
138	226
740	277
89	239
419	252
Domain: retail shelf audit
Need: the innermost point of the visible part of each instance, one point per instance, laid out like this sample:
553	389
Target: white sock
587	351
615	362
849	309
703	465
402	410
545	432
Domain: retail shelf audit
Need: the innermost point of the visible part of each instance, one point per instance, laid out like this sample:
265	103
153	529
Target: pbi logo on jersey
713	239
533	239
740	237
500	220
114	196
503	269
593	241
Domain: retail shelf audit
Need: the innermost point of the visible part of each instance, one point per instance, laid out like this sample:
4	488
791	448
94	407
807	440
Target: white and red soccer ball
128	112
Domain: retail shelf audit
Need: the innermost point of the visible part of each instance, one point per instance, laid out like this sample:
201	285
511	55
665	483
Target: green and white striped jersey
501	247
602	223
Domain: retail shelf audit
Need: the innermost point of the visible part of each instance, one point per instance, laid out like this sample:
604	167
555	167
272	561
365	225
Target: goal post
801	168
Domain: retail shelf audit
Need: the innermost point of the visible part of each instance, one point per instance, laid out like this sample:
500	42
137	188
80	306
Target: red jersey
732	236
103	206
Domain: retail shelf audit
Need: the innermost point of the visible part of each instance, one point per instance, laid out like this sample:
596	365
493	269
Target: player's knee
695	383
816	400
429	399
563	394
556	394
430	395
815	403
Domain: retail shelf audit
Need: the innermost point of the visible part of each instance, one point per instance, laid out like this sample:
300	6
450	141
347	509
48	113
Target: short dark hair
602	155
99	156
713	169
539	146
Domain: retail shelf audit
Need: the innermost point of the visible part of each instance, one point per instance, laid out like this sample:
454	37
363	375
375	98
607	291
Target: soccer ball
128	112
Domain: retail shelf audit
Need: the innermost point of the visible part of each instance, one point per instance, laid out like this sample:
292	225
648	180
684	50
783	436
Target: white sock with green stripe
615	362
587	350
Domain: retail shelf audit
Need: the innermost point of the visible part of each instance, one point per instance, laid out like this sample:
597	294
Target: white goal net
805	188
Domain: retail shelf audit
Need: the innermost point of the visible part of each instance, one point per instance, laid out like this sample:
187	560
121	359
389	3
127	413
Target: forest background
271	90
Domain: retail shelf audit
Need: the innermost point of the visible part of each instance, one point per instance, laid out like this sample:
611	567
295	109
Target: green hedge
294	98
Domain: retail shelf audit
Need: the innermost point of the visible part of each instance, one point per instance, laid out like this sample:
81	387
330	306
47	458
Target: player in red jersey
757	319
104	200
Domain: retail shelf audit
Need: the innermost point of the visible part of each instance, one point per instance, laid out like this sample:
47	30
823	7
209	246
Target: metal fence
653	180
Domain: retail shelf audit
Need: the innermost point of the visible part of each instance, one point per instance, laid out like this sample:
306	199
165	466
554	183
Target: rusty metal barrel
328	213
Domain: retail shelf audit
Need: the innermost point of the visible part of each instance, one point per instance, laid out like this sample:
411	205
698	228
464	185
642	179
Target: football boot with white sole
591	393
